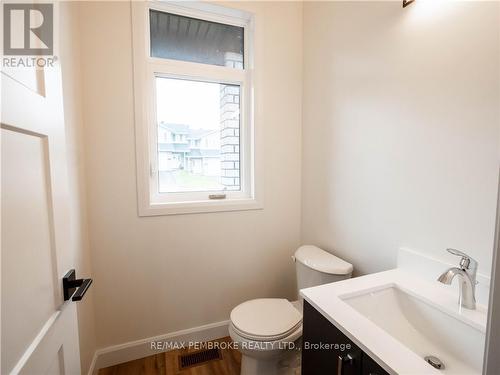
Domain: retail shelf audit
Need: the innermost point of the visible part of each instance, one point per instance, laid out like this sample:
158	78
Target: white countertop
389	353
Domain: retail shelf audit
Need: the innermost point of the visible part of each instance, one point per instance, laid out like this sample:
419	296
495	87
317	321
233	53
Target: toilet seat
266	319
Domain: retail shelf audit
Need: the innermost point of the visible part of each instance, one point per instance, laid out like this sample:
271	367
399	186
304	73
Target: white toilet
267	331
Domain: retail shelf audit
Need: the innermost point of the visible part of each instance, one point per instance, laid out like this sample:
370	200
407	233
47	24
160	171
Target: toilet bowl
268	331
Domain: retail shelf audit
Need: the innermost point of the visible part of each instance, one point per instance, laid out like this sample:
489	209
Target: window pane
198	135
190	39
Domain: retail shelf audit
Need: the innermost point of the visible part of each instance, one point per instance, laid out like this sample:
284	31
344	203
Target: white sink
423	328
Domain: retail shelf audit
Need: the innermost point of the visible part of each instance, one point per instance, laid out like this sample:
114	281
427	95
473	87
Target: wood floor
168	364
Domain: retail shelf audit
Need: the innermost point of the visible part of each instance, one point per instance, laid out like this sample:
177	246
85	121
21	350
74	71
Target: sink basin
423	328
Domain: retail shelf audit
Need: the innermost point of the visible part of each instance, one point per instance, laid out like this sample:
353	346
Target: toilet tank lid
321	260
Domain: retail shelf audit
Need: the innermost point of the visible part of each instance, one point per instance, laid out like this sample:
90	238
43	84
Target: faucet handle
466	260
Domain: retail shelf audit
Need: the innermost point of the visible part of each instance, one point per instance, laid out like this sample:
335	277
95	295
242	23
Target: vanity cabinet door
370	367
326	350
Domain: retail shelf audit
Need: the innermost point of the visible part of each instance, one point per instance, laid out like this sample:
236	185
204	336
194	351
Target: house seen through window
198	135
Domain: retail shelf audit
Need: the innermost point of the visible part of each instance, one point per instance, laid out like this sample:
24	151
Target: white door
38	329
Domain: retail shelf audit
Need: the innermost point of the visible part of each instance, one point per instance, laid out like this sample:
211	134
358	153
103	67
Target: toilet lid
322	261
266	318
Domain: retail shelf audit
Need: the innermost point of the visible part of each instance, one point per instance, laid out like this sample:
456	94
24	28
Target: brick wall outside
230	129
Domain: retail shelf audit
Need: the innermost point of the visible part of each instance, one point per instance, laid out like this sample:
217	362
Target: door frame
491	364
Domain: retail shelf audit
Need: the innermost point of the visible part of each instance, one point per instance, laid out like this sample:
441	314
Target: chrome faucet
467	278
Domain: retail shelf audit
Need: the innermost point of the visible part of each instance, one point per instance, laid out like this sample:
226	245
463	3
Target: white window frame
146	68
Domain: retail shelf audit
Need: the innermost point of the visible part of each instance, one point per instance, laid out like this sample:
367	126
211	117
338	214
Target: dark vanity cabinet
326	350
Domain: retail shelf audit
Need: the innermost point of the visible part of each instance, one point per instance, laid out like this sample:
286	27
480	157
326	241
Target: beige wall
70	64
155	275
399	149
400	129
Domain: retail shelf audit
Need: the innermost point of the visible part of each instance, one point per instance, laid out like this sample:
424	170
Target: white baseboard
93	369
113	355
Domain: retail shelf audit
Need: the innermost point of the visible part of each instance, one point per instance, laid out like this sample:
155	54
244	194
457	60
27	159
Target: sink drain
434	362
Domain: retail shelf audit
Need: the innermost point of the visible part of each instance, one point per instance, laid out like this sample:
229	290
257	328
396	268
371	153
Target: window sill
180	208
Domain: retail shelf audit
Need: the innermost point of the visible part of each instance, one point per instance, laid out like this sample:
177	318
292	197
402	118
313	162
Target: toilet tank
315	266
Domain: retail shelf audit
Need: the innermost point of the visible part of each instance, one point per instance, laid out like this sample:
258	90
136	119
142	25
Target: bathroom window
193	85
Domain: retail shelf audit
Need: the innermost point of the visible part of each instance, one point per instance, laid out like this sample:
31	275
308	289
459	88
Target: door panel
28	256
57	366
39	330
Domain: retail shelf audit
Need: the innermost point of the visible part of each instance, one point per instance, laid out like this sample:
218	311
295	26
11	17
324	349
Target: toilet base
288	364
